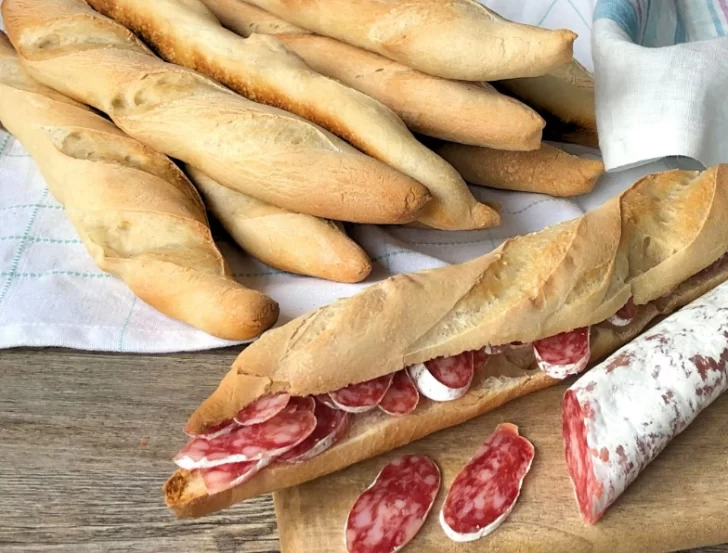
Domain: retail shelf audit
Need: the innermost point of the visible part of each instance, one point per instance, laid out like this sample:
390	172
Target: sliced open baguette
461	112
267	153
660	244
454	39
138	216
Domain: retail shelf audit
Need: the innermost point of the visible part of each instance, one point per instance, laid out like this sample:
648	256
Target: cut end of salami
402	397
331	426
564	354
390	512
262	410
444	378
587	488
485	491
224	477
362	397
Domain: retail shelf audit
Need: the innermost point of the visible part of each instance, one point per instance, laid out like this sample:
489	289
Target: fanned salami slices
485	491
402	397
564	354
620	415
250	443
625	315
444	378
224	477
331	426
262	410
219	429
362	397
389	513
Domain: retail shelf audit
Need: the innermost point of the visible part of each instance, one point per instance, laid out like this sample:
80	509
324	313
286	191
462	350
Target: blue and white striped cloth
662	80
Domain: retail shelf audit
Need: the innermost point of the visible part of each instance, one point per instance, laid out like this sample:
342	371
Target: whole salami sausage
621	414
388	514
485	491
564	354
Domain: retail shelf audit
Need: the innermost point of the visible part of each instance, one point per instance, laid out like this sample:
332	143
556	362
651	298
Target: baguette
565	98
661	244
138	216
186	33
450	110
289	241
547	170
453	39
267	153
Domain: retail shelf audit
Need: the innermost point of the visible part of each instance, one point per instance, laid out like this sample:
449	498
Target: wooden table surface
85	446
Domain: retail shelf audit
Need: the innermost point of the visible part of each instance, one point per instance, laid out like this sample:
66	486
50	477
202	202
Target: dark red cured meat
625	315
263	409
481	357
388	514
486	490
250	443
224	477
564	354
402	397
331	426
455	371
362	397
620	415
326	400
219	429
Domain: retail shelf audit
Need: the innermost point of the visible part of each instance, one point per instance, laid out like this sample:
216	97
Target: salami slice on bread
659	245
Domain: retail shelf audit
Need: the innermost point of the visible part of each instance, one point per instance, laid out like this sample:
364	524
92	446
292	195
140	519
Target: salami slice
250	443
485	491
388	514
481	357
362	397
564	354
220	429
402	397
625	315
262	410
326	400
444	378
620	415
331	426
224	477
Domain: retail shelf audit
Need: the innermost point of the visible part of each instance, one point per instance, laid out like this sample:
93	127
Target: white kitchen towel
662	80
52	294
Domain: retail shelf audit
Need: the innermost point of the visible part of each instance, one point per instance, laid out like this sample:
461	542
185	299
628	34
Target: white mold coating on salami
361	397
620	415
444	378
565	354
390	512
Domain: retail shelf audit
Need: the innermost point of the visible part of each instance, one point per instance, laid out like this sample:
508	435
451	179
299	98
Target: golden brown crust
453	39
264	152
137	214
262	69
547	170
467	113
288	241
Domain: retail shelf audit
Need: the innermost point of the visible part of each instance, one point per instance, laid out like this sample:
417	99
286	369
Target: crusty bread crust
506	377
267	153
261	69
467	113
454	39
547	170
137	214
289	241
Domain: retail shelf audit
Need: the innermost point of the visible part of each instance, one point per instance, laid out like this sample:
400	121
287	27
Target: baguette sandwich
138	216
470	337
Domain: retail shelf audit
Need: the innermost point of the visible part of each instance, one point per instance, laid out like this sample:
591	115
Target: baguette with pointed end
267	153
662	243
547	170
259	67
454	39
138	216
466	113
293	242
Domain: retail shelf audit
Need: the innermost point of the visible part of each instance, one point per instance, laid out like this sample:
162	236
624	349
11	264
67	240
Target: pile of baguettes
307	123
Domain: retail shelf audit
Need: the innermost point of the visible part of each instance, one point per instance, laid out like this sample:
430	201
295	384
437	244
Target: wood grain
85	446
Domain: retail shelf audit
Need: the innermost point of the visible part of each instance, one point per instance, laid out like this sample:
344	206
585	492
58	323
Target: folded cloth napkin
662	80
52	294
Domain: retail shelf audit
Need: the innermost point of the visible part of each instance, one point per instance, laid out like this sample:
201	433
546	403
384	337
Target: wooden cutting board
680	501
